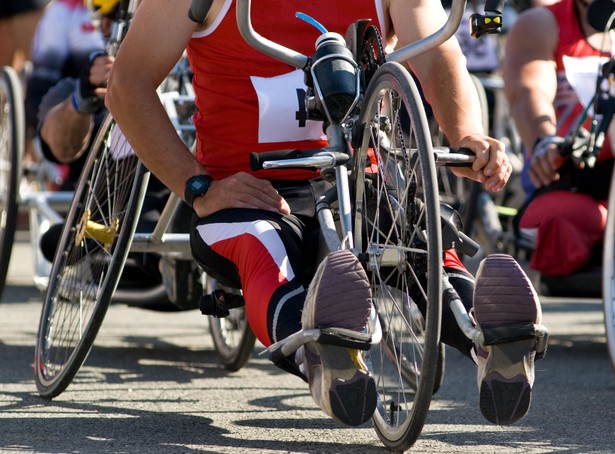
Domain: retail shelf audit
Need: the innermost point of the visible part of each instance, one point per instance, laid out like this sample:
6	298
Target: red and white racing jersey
257	103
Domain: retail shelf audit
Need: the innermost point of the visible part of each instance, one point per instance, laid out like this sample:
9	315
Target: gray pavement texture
152	384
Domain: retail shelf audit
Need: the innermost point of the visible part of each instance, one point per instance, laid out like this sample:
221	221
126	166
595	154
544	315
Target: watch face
198	185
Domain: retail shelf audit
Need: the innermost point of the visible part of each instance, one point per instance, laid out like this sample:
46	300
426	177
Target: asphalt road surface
152	385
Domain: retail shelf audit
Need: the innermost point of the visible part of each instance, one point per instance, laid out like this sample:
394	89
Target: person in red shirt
552	61
257	231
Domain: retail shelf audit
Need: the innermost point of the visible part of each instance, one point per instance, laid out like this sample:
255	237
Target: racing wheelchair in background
98	238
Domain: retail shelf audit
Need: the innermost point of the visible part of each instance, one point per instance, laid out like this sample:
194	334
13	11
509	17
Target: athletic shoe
340	383
504	303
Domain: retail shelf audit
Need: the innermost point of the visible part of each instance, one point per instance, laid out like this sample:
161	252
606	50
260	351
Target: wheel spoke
94	247
397	229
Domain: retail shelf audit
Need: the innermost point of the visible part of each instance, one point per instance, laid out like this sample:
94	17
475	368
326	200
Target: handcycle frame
395	430
324	159
46	207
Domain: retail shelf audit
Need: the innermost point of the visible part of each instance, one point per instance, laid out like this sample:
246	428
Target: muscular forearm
146	57
529	72
442	71
455	103
534	115
66	132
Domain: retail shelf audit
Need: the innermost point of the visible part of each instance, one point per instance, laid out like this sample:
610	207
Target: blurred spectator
64	41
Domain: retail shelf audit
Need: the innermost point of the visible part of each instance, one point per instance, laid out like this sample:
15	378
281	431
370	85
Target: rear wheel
89	259
12	143
397	231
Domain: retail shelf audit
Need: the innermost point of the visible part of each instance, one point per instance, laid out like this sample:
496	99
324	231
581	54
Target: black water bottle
335	74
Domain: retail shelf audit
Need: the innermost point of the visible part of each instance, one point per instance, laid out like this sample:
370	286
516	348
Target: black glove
84	97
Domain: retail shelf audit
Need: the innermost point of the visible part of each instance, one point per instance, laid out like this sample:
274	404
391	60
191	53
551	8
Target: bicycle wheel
89	259
608	274
233	339
12	143
396	218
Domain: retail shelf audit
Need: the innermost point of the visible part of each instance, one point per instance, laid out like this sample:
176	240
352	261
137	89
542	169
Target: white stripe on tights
261	230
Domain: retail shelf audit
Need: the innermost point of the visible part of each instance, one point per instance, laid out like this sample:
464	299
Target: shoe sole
347	388
505	296
350	389
505	400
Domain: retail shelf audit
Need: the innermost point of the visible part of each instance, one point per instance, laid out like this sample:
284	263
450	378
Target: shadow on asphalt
574	368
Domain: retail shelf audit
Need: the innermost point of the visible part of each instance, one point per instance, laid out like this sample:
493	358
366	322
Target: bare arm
155	41
157	37
66	132
529	74
531	84
449	89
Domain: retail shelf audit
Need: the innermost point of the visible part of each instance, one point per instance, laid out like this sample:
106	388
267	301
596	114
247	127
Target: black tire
12	144
396	218
89	260
233	339
608	274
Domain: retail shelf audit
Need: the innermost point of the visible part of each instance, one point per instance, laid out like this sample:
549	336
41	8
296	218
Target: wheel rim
6	146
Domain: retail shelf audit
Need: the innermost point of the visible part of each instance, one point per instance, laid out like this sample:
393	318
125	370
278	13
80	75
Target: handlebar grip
199	9
315	158
257	159
454	156
462	151
468	246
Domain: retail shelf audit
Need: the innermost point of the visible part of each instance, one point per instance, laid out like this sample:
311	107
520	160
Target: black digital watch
196	186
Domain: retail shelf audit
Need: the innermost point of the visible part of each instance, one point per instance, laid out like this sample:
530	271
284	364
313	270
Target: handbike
384	207
99	236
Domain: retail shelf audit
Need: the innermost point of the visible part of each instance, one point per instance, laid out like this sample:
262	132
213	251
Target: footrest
280	352
331	336
518	332
343	337
509	333
218	303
